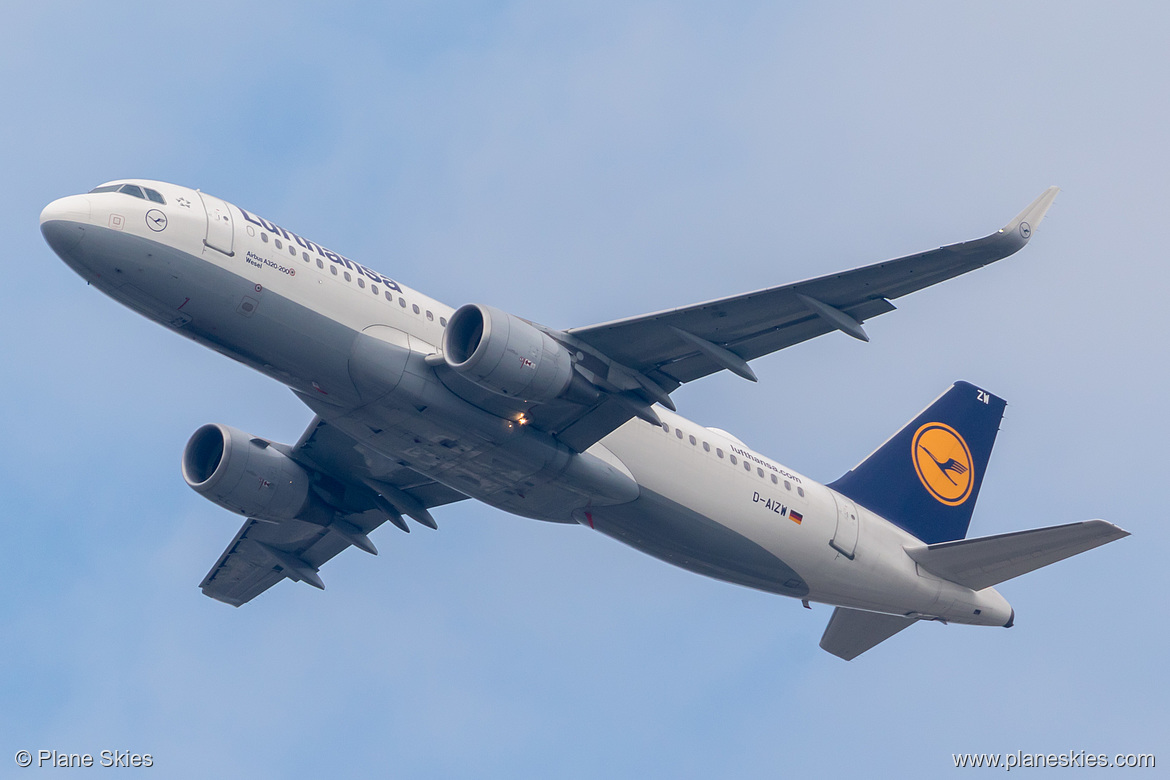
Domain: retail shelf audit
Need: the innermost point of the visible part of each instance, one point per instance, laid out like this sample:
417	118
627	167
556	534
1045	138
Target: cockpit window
132	189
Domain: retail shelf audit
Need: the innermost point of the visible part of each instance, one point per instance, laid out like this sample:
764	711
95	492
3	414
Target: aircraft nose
63	222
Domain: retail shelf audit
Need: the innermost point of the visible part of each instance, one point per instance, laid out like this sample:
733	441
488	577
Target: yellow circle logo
943	463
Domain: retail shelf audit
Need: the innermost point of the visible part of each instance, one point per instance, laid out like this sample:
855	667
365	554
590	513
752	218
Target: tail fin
926	477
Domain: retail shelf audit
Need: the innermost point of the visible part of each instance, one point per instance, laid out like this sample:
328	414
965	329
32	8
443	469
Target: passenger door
844	538
220	229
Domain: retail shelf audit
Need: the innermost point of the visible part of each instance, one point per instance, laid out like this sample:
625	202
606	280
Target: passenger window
277	244
264	237
678	433
747	467
415	308
155	196
693	440
774	480
292	250
333	270
389	297
800	492
443	321
719	452
402	302
430	317
361	283
374	289
706	447
319	263
787	485
733	460
760	472
132	189
348	278
666	427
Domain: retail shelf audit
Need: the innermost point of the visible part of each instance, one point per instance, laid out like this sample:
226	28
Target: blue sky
573	165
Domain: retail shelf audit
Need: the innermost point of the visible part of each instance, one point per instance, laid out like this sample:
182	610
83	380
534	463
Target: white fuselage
691	495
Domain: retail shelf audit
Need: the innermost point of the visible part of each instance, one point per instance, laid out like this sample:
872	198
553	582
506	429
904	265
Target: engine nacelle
245	474
503	353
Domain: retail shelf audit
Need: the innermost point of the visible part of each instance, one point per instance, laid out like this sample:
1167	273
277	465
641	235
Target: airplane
418	405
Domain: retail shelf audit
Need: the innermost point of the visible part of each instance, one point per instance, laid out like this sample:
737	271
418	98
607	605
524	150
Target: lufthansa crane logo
156	220
943	462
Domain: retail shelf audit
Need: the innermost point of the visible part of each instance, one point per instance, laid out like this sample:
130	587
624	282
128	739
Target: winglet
1029	219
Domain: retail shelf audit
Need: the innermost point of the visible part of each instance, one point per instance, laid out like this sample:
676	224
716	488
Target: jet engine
506	355
245	474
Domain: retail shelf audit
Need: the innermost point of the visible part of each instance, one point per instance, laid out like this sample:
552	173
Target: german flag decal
795	516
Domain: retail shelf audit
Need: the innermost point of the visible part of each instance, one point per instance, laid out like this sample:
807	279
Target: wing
629	365
680	345
366	488
639	361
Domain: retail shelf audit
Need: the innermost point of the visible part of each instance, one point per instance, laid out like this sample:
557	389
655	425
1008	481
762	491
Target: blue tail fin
926	477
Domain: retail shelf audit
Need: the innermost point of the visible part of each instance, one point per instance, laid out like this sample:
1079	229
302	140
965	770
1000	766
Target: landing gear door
844	538
220	230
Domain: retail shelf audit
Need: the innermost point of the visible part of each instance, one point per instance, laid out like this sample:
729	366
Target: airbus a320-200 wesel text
419	405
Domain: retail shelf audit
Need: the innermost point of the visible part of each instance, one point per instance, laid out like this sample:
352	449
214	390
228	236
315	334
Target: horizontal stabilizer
990	560
853	631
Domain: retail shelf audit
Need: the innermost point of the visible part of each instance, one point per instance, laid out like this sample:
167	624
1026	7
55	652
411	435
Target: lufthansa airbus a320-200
419	405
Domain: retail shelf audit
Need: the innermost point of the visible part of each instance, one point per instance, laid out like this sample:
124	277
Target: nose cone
63	223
